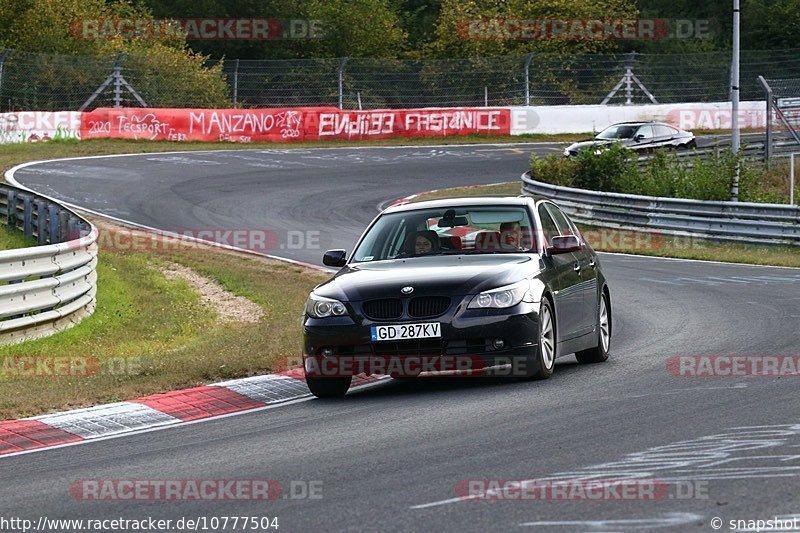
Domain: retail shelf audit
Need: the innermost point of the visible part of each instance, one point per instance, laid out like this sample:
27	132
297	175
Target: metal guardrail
47	288
732	221
750	151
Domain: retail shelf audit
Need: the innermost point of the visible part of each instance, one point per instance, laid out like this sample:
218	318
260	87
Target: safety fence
50	287
49	82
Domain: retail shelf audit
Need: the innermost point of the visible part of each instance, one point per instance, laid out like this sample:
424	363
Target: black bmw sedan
467	286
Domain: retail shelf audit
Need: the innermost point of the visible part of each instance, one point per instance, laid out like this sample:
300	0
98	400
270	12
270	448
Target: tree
44	71
459	35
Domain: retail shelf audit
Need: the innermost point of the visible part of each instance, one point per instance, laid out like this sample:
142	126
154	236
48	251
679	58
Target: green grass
624	241
159	332
12	238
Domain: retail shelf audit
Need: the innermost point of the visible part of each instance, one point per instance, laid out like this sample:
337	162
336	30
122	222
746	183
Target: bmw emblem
407	290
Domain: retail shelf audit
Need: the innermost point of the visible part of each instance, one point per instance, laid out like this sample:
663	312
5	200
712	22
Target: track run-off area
398	455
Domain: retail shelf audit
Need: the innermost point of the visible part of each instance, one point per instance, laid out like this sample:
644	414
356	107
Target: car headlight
501	297
321	307
566	152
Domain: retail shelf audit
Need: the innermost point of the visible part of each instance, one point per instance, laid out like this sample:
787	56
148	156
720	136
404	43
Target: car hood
435	275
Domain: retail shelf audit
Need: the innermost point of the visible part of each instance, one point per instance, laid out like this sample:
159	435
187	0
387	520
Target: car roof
464	201
640	123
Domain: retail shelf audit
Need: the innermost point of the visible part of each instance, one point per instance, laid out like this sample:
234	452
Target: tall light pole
735	100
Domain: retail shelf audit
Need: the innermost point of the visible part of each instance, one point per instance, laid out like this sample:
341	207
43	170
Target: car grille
466	347
428	306
385	309
427	347
432	347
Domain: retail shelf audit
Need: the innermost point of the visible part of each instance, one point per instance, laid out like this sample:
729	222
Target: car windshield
448	231
622	131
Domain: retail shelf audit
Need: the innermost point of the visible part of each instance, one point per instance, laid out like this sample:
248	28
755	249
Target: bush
612	169
553	169
615	169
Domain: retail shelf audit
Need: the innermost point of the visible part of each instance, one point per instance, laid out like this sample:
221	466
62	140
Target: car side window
663	131
645	131
564	227
549	227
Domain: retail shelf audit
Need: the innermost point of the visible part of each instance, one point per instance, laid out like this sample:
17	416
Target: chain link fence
49	82
782	135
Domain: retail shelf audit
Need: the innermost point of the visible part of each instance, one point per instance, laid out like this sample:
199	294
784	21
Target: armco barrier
733	221
47	288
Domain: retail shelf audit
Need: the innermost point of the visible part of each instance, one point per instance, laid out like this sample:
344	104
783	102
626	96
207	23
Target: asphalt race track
396	456
322	196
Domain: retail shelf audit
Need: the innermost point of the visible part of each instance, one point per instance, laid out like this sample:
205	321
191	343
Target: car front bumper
471	341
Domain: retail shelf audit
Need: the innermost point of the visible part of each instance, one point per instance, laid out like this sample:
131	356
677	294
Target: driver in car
511	236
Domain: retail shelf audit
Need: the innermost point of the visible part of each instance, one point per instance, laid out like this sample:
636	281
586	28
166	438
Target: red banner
289	124
381	124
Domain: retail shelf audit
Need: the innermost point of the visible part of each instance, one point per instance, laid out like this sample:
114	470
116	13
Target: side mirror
638	137
335	258
564	244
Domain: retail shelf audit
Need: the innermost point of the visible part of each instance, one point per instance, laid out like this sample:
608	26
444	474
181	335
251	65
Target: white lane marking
713	281
668	393
734	280
696	459
745	265
667	520
184	160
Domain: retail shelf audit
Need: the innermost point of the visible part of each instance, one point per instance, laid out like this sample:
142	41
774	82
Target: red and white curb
155	411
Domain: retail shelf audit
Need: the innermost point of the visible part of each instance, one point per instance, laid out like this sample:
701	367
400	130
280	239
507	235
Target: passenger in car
422	242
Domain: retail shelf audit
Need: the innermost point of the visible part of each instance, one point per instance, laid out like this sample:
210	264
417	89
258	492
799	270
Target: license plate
401	332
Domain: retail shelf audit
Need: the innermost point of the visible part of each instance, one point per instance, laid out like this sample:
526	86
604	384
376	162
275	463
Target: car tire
324	387
540	364
599	353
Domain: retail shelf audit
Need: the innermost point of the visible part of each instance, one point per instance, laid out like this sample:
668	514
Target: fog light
498	344
327	352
